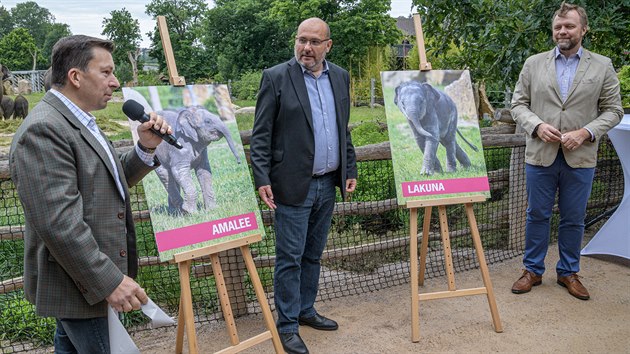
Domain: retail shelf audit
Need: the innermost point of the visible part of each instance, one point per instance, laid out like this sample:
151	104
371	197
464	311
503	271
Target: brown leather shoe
575	287
525	282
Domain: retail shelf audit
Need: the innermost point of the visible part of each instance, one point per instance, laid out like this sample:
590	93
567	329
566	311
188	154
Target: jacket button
121	215
563	109
123	253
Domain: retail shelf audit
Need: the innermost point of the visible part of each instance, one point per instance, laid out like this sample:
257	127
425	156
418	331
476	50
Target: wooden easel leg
262	299
224	299
485	274
413	270
186	310
425	244
446	243
179	342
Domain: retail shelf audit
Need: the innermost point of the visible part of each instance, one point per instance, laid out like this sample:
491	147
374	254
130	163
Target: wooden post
174	78
417	22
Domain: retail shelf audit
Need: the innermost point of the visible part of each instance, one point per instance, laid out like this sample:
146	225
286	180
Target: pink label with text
190	235
446	186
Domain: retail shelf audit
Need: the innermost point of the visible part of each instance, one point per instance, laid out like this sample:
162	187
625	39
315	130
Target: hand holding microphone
148	133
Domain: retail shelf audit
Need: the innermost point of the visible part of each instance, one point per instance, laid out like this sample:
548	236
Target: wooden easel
186	320
417	277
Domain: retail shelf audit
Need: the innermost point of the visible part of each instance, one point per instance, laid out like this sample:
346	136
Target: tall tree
494	37
37	20
55	33
6	23
184	19
17	49
356	25
242	37
124	31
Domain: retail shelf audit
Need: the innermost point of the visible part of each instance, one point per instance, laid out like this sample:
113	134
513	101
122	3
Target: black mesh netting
368	245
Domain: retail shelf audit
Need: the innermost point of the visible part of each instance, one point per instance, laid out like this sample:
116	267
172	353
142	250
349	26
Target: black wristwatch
146	149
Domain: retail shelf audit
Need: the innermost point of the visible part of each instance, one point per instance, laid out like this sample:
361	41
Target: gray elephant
20	107
195	128
432	116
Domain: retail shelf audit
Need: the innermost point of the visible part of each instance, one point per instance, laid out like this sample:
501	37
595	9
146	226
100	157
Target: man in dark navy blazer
300	150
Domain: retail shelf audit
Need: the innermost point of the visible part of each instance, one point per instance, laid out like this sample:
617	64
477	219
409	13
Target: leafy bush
369	133
247	87
624	80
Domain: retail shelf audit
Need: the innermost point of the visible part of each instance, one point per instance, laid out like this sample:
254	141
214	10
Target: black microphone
135	111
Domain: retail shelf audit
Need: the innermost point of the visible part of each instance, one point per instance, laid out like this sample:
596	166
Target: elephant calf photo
432	116
195	128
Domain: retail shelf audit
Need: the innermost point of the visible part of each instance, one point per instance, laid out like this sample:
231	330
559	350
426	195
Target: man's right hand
127	296
266	195
548	134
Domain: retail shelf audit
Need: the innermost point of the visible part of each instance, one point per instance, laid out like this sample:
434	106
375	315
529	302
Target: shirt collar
305	70
85	118
558	54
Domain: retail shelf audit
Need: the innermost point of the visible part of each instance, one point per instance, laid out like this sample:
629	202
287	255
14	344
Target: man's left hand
574	139
149	139
351	184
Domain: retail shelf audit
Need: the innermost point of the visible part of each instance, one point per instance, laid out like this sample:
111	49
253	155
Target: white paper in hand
119	340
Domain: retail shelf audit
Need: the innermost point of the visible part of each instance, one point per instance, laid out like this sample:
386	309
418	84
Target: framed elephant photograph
201	194
434	135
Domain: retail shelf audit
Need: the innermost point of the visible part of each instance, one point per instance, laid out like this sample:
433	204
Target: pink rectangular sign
190	235
445	186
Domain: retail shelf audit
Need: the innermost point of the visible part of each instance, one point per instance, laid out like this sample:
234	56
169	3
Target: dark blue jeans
89	336
301	234
574	188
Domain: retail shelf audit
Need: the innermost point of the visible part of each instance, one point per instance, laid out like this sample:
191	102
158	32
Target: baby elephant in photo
432	116
195	128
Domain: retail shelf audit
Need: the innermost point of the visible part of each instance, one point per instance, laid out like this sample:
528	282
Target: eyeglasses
314	42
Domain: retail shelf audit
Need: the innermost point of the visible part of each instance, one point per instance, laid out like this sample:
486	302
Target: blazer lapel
337	86
89	138
585	61
551	73
297	78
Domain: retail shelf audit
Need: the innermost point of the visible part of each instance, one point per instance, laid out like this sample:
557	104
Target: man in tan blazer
79	239
565	100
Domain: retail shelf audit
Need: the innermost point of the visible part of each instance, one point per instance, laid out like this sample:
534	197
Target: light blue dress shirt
326	136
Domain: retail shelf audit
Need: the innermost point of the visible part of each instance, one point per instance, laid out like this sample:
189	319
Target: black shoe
319	322
292	343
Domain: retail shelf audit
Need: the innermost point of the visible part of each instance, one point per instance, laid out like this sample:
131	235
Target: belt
324	175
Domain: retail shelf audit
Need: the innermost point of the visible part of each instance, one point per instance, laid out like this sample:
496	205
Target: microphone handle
166	137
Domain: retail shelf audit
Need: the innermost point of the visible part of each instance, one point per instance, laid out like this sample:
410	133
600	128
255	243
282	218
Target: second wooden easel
186	320
417	276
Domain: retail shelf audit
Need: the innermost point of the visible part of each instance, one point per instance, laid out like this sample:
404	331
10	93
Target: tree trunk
133	59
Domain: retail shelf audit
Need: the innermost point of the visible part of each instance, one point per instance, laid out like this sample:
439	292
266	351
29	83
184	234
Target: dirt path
546	320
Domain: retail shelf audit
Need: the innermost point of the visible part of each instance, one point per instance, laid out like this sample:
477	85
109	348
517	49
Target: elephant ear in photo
435	143
185	126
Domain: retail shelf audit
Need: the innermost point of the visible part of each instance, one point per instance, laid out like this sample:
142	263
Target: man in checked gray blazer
565	100
79	239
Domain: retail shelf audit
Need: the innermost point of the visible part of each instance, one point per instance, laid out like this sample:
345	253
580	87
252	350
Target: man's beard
566	43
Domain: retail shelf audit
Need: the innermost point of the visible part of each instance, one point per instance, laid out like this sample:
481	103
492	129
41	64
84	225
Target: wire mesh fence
367	250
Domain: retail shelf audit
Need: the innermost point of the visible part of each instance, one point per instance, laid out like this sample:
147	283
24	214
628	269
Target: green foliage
184	19
624	80
18	321
124	31
369	133
493	38
149	78
242	37
247	87
16	50
55	33
6	23
35	19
